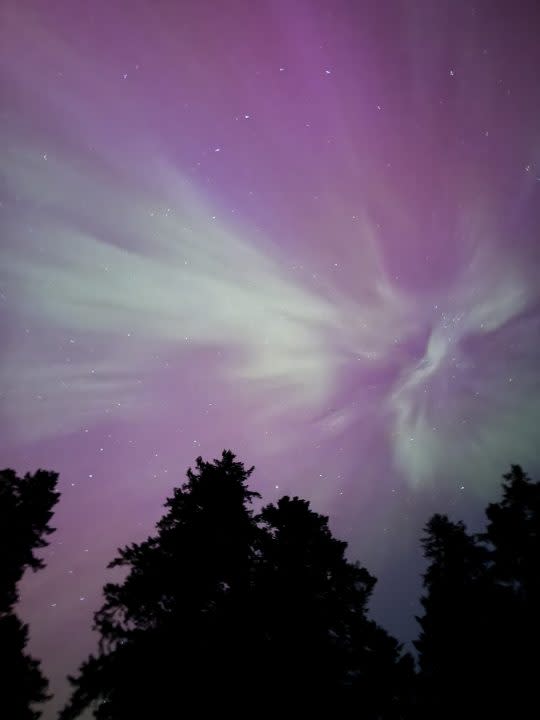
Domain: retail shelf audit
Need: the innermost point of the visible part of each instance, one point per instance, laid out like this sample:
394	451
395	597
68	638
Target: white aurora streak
192	282
112	265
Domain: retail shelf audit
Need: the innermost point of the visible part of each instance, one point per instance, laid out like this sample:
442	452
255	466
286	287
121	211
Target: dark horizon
227	604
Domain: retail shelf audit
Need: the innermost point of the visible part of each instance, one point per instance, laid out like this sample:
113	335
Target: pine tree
456	627
479	645
171	631
221	610
321	649
25	512
513	538
513	533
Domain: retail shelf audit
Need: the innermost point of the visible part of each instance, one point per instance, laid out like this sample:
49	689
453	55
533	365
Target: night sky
305	230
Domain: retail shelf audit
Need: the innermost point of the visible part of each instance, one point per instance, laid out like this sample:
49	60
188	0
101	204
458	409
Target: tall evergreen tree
26	508
479	645
456	627
513	535
513	538
171	630
321	649
221	609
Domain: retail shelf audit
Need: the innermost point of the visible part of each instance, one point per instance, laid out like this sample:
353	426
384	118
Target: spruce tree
223	611
170	633
513	538
26	508
479	645
321	648
456	627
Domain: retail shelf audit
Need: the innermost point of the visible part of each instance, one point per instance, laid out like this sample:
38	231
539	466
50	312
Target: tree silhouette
513	538
224	609
480	633
321	649
25	511
513	534
169	631
456	626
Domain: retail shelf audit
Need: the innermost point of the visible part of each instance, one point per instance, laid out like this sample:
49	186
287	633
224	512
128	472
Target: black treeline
225	610
479	645
25	511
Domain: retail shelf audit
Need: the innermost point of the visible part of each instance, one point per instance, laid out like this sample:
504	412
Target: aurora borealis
304	230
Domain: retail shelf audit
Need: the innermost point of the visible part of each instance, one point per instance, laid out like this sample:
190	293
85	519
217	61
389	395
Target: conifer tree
456	625
325	650
513	538
479	645
170	632
26	508
226	611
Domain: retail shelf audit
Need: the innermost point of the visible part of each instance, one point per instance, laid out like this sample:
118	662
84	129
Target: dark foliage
455	626
25	512
175	631
223	609
479	642
513	537
321	648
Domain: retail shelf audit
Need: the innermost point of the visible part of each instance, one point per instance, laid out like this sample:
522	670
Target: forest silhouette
229	610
